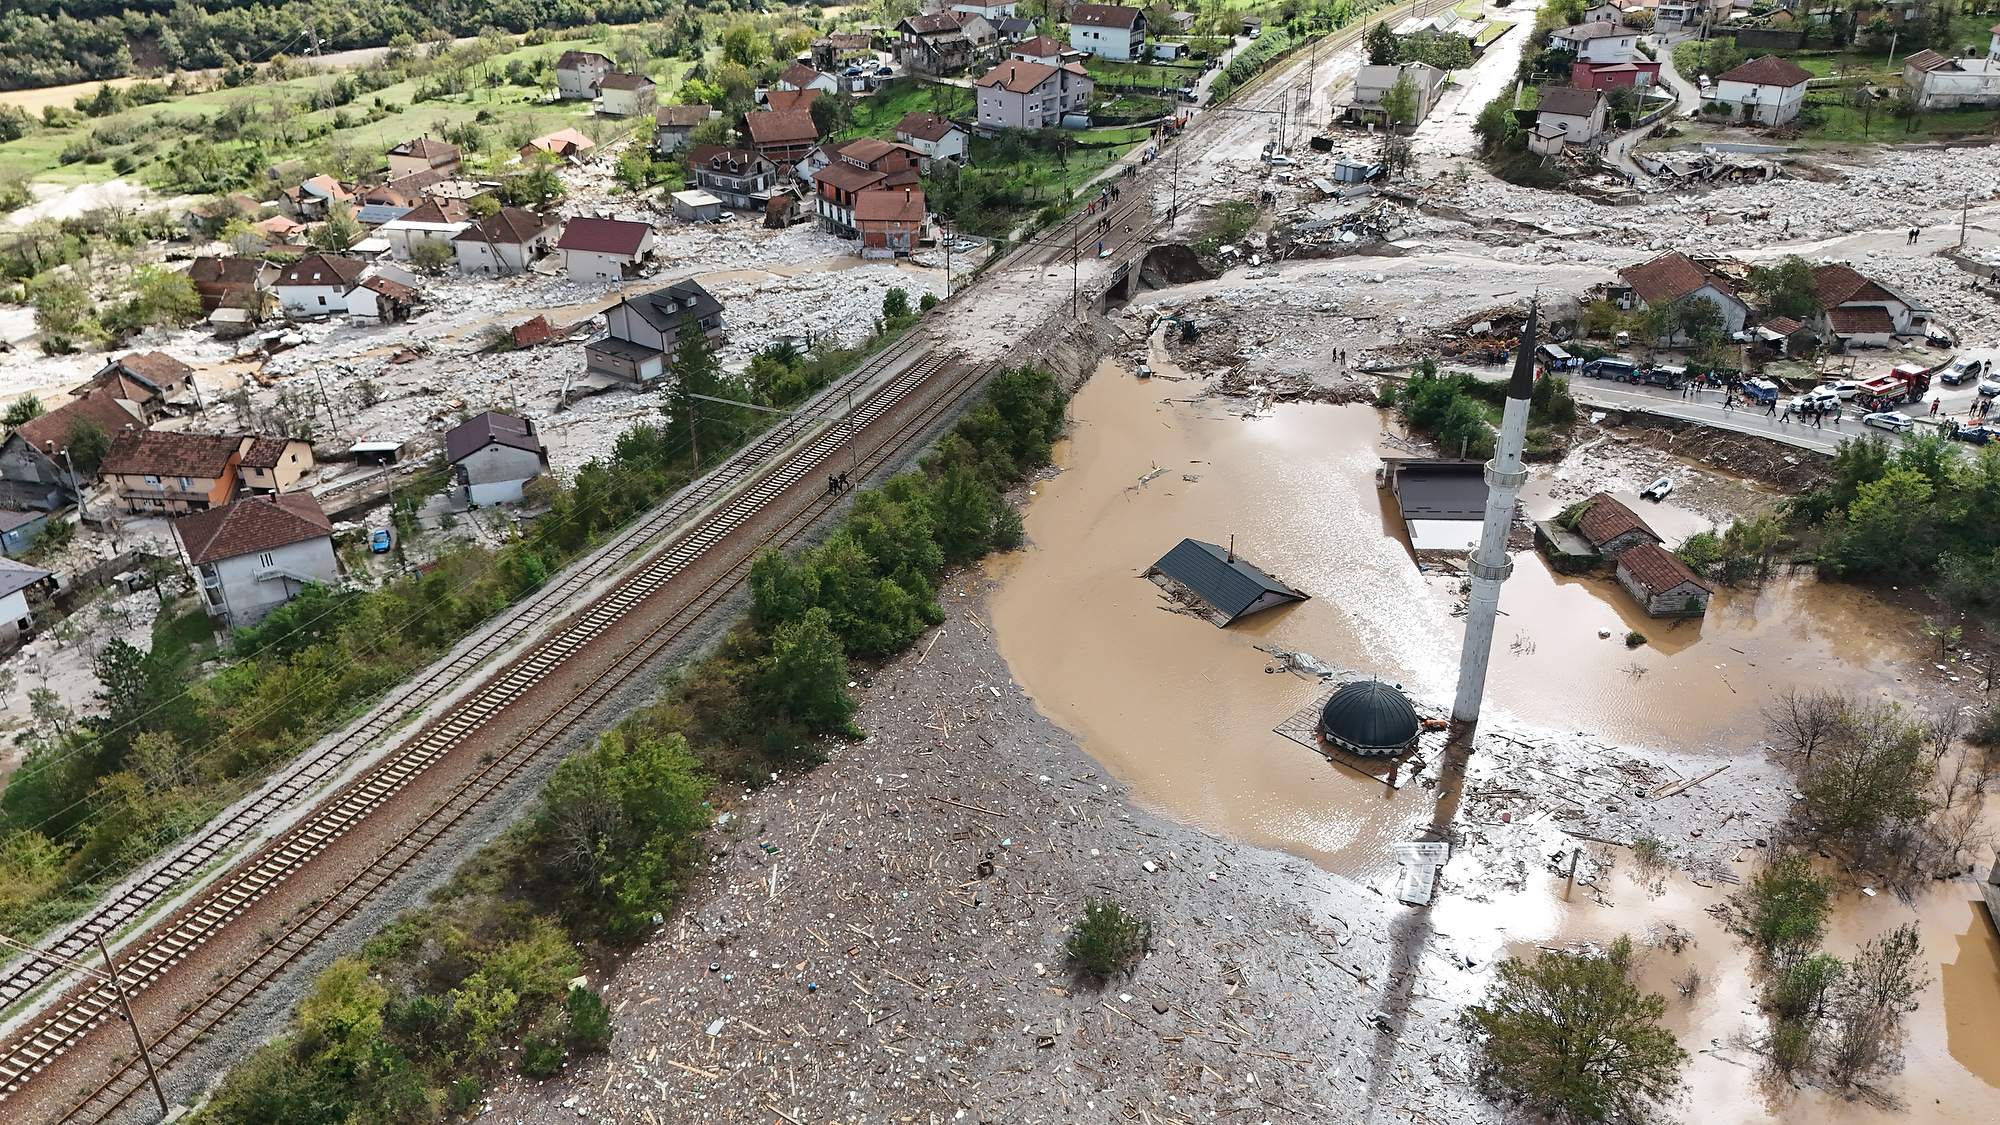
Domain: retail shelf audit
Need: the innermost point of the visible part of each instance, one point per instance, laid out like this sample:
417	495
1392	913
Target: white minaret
1489	566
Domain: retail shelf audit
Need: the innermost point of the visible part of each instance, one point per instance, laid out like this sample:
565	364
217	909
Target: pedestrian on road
1728	402
1816	418
1934	407
1771	411
1912	241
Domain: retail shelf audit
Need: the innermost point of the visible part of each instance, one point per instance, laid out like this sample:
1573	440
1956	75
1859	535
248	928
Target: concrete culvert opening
1173	264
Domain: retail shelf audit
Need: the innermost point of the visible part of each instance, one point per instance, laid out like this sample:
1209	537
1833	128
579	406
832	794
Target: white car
1824	397
1989	387
1844	388
1889	420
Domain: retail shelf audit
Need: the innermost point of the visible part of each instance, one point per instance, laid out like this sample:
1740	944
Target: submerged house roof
1232	587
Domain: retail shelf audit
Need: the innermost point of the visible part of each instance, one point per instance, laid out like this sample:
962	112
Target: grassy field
37	155
1150	75
877	114
1842	124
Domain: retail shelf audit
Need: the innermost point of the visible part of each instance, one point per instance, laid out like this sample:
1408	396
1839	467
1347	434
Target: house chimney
1232	547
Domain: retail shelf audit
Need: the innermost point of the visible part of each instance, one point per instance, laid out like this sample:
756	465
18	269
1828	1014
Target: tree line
43	43
449	995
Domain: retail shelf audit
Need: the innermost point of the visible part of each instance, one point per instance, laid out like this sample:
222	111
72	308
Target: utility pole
1964	214
125	1003
312	29
82	507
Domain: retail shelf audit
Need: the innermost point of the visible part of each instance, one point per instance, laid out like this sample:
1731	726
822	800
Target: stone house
1610	527
578	72
1662	584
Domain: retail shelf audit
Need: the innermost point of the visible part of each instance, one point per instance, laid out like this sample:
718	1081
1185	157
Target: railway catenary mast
1489	566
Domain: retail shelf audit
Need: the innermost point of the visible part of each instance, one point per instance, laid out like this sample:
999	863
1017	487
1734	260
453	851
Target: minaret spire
1489	566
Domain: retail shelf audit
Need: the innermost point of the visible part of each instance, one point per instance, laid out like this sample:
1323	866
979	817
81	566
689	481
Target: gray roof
1369	717
18	576
665	309
480	431
1441	490
1232	586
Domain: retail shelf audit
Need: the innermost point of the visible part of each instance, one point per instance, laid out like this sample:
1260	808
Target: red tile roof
224	271
1835	285
1041	47
842	176
438	153
1928	60
1768	71
1607	518
442	212
1864	320
51	430
1656	569
781	127
800	76
156	367
323	269
1670	277
1783	325
1016	76
924	127
571	60
164	453
267	452
513	226
782	101
1103	15
604	236
904	206
255	523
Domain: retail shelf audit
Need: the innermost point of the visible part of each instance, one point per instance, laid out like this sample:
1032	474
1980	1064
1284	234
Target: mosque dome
1369	717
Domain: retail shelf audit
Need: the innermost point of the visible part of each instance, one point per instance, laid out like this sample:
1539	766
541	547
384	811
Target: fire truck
1906	383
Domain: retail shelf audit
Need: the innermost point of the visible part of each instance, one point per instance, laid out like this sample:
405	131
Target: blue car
1977	435
379	541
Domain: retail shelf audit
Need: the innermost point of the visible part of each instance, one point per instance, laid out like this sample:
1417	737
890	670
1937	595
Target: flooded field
1185	710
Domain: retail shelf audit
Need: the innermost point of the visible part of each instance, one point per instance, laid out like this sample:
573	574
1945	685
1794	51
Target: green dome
1369	717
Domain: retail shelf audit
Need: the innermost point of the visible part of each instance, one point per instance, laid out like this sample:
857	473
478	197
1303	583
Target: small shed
1662	584
696	207
1228	587
1611	527
375	452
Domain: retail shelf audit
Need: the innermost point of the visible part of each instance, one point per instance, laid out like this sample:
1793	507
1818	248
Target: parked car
1894	420
1989	387
1818	396
380	540
1666	376
1760	390
1975	433
1611	367
1845	388
1963	368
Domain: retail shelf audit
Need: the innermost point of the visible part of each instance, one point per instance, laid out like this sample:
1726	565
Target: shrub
1107	942
541	1056
1784	908
589	1022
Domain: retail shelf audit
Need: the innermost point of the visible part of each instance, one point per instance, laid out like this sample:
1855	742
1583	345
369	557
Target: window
152	481
322	299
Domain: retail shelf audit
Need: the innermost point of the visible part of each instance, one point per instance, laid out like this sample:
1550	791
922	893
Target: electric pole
110	973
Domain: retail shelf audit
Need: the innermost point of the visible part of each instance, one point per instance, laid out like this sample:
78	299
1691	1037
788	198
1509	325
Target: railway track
891	419
28	973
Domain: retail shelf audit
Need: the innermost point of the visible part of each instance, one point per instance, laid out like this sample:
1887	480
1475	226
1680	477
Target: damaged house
1224	587
642	332
1858	311
1672	277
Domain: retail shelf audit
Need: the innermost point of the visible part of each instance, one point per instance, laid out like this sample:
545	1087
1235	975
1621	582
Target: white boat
1657	490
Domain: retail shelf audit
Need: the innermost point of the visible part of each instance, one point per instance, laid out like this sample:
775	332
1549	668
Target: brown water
1185	711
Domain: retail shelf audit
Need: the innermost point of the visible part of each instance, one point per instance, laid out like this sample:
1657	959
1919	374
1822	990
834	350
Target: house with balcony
505	242
642	332
943	43
1111	32
1026	95
1373	83
157	471
1599	41
1767	91
739	177
255	554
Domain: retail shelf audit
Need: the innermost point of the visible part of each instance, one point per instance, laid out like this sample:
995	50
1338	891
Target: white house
1597	41
641	333
434	221
1674	276
1042	49
626	95
492	455
255	554
1000	9
1578	113
673	123
934	136
1769	91
1856	310
318	284
1026	95
16	579
1373	83
799	76
1109	31
578	72
504	242
1937	81
605	249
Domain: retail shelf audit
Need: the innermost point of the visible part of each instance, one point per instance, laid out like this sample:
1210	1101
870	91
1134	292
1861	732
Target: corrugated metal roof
1232	586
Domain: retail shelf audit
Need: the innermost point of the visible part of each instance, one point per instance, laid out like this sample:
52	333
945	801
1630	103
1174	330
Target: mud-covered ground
841	959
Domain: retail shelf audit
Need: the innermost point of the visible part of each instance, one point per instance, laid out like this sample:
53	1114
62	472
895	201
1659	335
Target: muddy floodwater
1185	711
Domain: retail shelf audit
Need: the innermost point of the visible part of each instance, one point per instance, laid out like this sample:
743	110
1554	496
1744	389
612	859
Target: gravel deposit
844	957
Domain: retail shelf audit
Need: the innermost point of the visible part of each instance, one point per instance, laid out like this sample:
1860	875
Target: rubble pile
843	306
1690	169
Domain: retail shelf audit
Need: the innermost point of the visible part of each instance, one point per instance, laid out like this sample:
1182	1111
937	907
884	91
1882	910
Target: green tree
1879	989
339	231
1496	124
1889	529
27	408
1573	1035
87	444
619	823
896	305
1784	908
804	678
159	297
1380	43
712	427
1786	288
62	311
432	256
1399	101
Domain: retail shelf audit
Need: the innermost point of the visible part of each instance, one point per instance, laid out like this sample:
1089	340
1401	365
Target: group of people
1814	412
